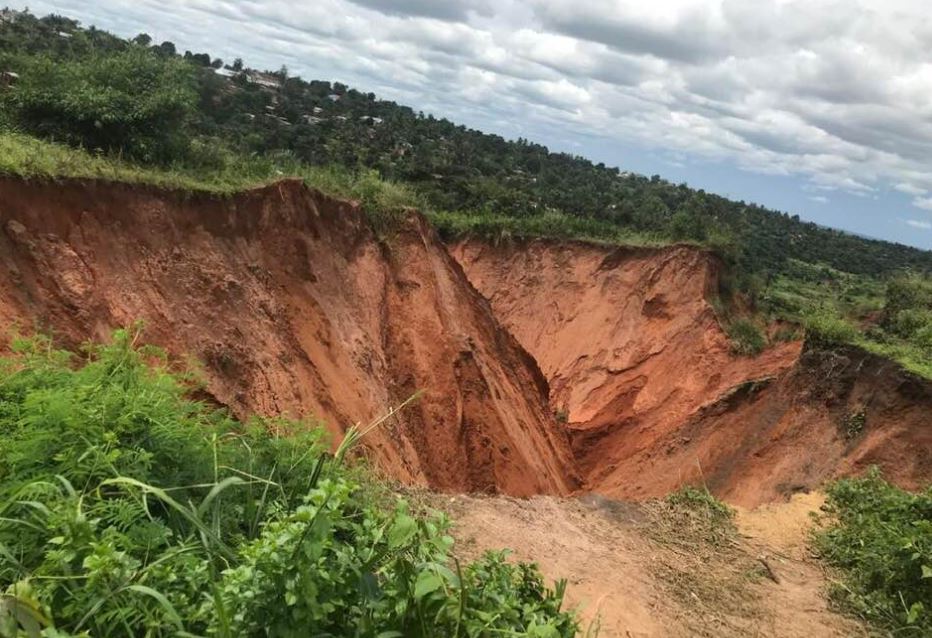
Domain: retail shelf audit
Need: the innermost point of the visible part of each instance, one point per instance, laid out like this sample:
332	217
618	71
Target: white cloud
915	223
925	203
910	189
821	199
837	92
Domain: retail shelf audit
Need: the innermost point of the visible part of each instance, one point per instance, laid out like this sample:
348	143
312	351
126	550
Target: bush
881	538
133	102
830	329
746	337
130	510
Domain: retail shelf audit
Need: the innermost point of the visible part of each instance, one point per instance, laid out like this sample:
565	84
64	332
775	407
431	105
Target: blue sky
821	108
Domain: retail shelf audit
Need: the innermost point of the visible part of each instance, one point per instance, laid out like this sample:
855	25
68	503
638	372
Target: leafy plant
881	538
127	509
132	102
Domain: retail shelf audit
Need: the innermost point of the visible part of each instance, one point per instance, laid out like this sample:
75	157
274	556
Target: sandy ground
626	581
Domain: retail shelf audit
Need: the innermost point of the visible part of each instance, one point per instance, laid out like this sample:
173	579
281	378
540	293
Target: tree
143	39
133	102
238	64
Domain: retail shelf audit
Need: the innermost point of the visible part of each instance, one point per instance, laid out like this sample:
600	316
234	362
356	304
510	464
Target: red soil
653	396
294	308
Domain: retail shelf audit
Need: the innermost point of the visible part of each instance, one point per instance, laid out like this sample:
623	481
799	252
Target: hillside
259	336
653	394
294	309
454	168
218	122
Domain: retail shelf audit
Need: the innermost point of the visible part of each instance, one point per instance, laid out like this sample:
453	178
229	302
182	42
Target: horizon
877	189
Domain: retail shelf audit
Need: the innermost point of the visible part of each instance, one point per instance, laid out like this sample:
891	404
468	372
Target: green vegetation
892	318
553	224
746	337
129	510
144	112
129	101
881	538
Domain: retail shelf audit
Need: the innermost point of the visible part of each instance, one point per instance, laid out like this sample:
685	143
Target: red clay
294	308
639	365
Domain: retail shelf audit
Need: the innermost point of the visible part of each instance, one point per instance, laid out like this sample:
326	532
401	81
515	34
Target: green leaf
427	582
161	600
402	531
926	571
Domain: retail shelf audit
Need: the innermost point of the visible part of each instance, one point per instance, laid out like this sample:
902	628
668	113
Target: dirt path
629	581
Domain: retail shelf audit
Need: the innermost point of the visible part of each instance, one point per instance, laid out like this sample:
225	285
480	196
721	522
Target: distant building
9	15
8	78
225	72
64	34
266	80
370	119
333	97
311	119
318	110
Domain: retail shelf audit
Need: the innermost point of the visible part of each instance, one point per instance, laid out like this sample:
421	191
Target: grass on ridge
220	173
496	227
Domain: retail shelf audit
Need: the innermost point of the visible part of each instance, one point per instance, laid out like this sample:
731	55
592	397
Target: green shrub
129	510
881	538
746	337
132	102
829	329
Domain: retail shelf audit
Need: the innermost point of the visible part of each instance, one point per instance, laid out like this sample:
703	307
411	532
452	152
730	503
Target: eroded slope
294	308
653	395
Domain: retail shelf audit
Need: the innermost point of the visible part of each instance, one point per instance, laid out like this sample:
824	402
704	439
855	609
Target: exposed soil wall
294	308
652	394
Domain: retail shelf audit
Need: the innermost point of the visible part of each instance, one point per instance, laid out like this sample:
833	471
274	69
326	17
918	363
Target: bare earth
629	582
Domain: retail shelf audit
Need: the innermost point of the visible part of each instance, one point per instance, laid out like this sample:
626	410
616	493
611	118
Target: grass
212	171
707	572
839	308
497	228
880	538
747	338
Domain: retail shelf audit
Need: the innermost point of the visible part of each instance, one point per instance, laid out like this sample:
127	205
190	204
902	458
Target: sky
821	108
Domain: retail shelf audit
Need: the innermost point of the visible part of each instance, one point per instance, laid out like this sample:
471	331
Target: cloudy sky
818	107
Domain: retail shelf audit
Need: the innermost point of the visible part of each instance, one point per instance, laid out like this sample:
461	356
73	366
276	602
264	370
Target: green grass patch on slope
126	509
881	539
890	318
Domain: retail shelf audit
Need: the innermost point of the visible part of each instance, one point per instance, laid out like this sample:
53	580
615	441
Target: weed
746	337
881	538
852	424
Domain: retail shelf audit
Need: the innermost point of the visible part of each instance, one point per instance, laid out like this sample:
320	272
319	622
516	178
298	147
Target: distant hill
460	169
